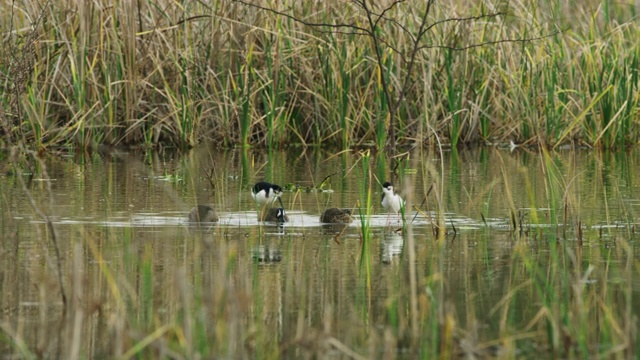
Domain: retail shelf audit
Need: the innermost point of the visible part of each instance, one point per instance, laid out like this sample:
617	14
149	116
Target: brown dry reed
150	73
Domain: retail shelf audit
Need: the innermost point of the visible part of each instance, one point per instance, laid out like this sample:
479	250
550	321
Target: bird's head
387	186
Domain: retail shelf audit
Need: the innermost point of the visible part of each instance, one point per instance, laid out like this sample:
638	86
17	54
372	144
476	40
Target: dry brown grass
155	72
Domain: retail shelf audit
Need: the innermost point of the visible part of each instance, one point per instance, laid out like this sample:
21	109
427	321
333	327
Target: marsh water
133	268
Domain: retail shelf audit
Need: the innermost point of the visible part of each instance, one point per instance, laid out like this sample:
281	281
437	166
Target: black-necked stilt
391	201
274	215
336	216
202	214
266	193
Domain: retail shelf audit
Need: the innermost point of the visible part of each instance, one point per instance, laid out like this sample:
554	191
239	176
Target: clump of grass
243	75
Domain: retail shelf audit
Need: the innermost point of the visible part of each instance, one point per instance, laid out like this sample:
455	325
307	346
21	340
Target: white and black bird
391	201
276	215
265	193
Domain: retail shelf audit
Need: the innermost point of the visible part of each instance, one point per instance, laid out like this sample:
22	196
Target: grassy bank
161	72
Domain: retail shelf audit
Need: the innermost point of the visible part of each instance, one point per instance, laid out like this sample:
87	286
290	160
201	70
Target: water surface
131	264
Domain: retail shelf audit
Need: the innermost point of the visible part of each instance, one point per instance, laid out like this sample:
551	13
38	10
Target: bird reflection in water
267	254
391	246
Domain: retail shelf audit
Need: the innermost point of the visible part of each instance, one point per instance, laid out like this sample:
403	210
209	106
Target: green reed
454	99
35	110
344	88
251	77
146	289
242	94
562	276
551	109
382	111
365	206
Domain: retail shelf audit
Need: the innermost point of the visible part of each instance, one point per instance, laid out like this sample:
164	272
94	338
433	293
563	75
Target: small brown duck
202	214
336	216
274	215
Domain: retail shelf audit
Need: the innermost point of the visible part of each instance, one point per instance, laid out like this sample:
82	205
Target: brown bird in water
202	214
336	216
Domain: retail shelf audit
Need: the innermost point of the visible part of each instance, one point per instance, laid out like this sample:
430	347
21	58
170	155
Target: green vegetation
557	282
546	263
146	73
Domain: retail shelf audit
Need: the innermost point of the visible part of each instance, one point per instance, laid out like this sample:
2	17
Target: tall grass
155	72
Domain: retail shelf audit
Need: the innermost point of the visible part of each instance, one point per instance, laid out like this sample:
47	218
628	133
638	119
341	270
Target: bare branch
493	42
396	23
386	43
414	52
307	23
389	8
381	16
379	42
462	19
